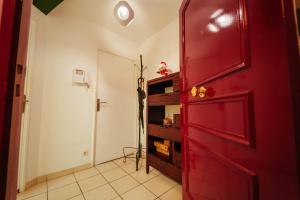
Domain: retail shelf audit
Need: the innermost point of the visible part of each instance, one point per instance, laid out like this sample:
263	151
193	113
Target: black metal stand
138	151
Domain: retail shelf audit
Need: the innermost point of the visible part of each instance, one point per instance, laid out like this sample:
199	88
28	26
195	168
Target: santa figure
162	70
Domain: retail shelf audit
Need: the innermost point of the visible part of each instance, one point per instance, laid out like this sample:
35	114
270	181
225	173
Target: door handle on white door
98	104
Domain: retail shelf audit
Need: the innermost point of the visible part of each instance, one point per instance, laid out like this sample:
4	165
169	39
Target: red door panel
212	25
221	174
224	116
238	125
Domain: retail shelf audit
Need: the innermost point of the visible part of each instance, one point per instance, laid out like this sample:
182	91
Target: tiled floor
114	180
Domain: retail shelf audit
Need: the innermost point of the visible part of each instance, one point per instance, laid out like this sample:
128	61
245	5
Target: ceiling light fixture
124	13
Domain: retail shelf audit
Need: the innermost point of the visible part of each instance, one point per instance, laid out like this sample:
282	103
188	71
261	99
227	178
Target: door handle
98	104
202	92
24	102
194	91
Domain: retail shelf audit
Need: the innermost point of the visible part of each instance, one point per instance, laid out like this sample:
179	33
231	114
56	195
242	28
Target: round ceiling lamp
124	13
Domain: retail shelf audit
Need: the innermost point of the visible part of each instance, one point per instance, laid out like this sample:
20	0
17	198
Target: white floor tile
159	185
79	197
141	175
39	197
114	174
33	191
139	193
91	183
86	174
106	166
130	168
120	162
102	193
65	192
94	185
60	182
124	184
173	194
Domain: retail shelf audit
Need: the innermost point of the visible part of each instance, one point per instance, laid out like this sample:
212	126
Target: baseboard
55	175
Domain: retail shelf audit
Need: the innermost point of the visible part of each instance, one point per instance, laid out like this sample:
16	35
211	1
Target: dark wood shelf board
164	78
165	133
165	167
164	99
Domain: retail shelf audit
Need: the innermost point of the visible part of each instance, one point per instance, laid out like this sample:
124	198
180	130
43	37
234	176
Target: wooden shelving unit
169	165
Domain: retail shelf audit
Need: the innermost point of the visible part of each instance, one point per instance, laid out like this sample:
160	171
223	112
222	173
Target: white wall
62	120
162	46
62	115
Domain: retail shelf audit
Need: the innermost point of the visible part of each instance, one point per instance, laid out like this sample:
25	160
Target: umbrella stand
138	151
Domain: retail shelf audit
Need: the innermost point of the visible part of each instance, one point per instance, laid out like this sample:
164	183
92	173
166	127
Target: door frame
7	50
294	68
26	114
15	18
94	139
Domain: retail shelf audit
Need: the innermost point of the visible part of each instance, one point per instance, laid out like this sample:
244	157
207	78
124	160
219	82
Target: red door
238	121
14	30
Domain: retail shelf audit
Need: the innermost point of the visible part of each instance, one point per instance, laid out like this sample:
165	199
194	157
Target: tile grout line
139	182
109	183
141	167
79	187
99	173
167	191
128	174
47	189
38	194
142	184
150	191
157	175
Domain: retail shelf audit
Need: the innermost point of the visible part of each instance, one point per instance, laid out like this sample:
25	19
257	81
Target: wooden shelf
157	99
173	78
165	133
165	167
164	99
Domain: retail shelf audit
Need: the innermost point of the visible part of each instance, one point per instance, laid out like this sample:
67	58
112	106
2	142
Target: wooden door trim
6	51
13	51
21	32
294	68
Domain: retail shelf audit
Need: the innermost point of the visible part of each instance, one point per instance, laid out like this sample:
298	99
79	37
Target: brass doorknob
202	92
194	91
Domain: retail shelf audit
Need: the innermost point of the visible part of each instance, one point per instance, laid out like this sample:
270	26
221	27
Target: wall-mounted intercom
80	78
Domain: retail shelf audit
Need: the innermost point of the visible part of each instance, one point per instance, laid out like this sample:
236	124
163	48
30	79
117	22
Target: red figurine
163	69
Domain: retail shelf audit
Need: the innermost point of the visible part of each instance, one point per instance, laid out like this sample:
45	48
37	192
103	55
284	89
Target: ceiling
150	15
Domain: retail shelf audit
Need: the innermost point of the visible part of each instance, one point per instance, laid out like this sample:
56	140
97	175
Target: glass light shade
123	13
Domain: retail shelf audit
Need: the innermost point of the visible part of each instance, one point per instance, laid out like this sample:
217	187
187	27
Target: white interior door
116	120
26	114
